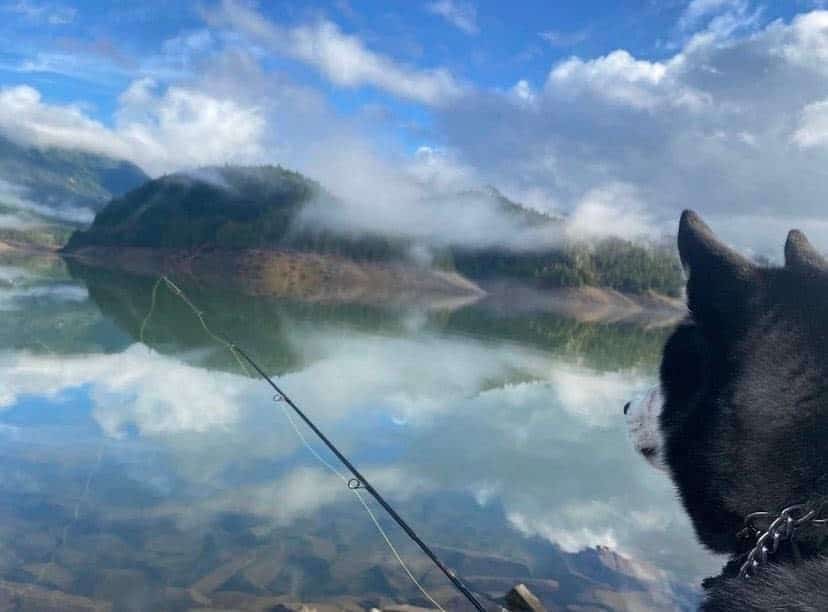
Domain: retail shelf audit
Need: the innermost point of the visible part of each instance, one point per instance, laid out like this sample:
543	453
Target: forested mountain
228	207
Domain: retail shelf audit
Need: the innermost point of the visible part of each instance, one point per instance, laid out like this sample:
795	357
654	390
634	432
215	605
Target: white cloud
310	490
804	42
565	432
16	197
313	488
732	126
159	129
24	116
342	58
74	64
51	13
813	125
462	15
413	379
557	38
15	222
697	10
569	539
710	21
523	91
157	394
610	210
619	77
13	275
432	199
14	298
594	397
187	127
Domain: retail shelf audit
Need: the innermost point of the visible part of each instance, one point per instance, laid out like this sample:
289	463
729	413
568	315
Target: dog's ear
800	254
719	279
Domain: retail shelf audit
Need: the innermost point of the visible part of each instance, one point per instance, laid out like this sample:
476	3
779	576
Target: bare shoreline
330	279
306	276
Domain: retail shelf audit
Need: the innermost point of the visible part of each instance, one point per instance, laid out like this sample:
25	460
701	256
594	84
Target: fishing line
354	484
200	315
149	312
82	499
361	499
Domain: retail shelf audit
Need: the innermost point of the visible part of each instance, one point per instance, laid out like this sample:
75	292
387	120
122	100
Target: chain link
781	527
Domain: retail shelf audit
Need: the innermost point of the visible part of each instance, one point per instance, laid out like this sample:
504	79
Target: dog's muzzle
642	414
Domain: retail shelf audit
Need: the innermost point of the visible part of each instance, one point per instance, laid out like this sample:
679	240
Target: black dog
740	419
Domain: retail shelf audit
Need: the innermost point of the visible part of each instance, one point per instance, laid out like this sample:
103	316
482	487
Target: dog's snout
642	415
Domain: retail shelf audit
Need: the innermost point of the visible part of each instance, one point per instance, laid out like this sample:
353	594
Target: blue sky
89	52
618	113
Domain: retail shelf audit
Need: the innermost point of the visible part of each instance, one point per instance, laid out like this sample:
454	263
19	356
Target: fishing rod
358	481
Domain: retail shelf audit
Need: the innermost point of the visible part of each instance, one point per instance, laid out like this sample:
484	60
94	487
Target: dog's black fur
745	413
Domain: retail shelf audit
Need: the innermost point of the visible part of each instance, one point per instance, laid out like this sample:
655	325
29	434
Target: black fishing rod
360	482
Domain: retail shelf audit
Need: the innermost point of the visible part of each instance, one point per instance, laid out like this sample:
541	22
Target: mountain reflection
158	475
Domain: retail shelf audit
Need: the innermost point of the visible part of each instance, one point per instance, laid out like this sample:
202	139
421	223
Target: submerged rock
520	599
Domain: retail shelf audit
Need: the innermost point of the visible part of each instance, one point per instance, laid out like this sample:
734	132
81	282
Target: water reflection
158	475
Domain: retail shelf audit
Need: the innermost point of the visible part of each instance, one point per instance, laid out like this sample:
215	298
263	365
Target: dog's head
740	418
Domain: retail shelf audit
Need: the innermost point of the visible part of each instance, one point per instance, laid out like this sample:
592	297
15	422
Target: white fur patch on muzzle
642	414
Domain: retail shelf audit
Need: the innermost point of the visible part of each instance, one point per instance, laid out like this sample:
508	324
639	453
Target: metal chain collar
781	527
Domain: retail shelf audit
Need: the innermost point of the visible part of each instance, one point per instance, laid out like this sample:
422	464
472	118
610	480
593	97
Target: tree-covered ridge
610	262
525	216
227	207
259	207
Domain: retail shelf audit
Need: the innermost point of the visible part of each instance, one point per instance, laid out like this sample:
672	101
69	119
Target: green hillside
227	207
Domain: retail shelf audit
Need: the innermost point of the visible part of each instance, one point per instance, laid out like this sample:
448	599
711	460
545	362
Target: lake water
141	468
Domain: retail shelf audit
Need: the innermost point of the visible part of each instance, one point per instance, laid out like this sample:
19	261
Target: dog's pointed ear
800	254
718	278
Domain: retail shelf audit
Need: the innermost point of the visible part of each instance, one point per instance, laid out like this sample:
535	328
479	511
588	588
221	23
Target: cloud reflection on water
528	443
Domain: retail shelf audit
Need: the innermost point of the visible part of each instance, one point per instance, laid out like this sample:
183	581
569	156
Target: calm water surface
141	468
